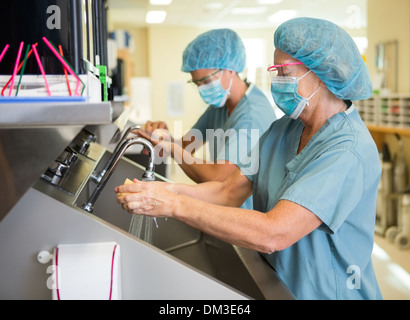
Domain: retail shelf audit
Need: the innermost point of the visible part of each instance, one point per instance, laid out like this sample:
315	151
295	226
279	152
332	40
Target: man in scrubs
316	187
238	113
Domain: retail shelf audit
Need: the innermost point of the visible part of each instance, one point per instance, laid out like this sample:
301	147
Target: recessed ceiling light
155	16
160	2
282	15
249	10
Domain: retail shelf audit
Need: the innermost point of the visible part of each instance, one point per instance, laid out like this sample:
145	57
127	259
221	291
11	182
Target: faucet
96	177
147	176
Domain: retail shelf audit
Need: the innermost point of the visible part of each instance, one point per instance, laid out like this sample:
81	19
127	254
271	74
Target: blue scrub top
336	177
233	137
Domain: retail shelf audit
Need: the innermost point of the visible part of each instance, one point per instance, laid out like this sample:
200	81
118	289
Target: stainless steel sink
242	269
106	207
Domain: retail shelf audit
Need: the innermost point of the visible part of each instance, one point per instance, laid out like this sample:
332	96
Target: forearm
233	191
237	226
266	232
199	170
211	192
196	169
245	228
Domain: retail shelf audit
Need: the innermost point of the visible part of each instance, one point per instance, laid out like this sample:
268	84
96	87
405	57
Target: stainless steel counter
38	222
18	115
180	263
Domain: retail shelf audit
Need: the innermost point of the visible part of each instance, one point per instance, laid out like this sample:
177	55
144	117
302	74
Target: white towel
87	272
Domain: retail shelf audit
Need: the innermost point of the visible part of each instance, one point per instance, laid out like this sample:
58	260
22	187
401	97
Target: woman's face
308	84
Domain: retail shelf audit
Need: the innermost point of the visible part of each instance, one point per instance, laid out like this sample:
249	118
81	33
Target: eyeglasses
278	70
204	79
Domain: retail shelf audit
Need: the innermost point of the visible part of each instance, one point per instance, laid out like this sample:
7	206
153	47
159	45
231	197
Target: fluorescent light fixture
160	2
282	16
155	16
269	1
249	10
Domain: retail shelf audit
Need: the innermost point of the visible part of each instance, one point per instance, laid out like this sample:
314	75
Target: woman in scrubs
316	186
237	115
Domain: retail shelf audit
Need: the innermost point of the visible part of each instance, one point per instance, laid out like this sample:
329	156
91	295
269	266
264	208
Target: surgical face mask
285	93
213	93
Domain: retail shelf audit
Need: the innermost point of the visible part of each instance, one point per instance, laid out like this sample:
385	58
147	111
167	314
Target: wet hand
147	198
151	126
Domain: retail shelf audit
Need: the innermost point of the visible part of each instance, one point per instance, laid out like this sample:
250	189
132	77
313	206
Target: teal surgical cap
215	49
329	52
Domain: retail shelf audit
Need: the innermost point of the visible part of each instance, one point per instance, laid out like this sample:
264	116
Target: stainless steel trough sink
242	269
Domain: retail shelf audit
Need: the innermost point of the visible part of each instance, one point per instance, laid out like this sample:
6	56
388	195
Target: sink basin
242	269
106	207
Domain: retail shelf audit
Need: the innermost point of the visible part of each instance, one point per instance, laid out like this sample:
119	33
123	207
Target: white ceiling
198	13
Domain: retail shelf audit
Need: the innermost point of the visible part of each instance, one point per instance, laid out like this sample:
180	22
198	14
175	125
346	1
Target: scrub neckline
301	127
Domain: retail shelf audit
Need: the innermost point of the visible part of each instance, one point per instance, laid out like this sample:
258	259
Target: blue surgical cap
215	49
329	52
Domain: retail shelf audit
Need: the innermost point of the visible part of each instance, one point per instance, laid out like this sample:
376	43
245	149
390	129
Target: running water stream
136	226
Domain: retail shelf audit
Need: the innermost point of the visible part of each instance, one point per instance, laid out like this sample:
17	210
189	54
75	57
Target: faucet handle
148	176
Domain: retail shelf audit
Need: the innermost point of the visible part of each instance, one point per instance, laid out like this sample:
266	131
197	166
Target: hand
148	198
157	133
152	126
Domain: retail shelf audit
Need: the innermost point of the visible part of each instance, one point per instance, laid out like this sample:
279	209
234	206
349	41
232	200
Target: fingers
141	206
147	198
126	188
143	134
131	194
155	132
152	126
160	134
136	203
145	152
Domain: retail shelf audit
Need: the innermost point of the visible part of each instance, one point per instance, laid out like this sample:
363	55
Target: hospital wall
389	21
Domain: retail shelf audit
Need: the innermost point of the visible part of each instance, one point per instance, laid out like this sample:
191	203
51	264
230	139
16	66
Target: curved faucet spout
96	177
147	176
